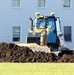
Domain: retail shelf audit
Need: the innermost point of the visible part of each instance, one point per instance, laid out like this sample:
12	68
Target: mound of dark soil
13	53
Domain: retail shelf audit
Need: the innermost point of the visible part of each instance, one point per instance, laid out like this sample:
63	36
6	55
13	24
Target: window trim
16	7
44	6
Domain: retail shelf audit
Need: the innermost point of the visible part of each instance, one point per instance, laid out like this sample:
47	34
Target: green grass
36	69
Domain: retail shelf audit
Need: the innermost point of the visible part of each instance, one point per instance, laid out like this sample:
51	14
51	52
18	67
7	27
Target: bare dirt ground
14	53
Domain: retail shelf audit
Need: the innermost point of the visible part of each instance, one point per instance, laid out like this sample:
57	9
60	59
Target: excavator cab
47	31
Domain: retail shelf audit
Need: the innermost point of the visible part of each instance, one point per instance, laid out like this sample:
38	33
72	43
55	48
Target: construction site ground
10	52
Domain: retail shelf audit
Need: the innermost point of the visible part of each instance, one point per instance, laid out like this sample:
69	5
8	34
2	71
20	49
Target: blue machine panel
51	31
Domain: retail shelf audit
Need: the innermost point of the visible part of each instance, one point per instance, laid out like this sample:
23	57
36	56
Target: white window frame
66	3
16	32
16	5
44	5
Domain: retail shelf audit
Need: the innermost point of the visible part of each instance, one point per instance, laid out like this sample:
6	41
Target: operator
50	26
37	14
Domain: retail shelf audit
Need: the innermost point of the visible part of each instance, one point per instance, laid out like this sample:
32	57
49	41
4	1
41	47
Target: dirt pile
13	53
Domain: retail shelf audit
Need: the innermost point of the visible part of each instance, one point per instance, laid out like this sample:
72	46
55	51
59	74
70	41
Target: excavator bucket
35	47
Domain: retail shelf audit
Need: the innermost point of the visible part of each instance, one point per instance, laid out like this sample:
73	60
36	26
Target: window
51	24
16	3
16	34
41	23
67	33
66	3
41	3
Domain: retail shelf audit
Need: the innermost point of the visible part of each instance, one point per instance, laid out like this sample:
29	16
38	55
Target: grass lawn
36	69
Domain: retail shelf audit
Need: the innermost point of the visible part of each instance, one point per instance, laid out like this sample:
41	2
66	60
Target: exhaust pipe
31	23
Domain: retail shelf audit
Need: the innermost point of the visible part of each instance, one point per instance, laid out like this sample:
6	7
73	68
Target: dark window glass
67	33
16	34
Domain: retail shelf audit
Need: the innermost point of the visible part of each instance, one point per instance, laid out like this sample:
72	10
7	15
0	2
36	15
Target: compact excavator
45	34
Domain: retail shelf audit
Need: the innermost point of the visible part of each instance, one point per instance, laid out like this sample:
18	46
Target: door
51	31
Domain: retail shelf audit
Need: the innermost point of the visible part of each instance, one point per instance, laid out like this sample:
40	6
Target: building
14	18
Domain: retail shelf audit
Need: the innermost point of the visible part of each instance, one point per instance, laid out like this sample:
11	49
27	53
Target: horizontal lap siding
10	17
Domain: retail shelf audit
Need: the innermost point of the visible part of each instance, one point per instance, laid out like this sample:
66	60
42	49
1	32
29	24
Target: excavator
45	34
